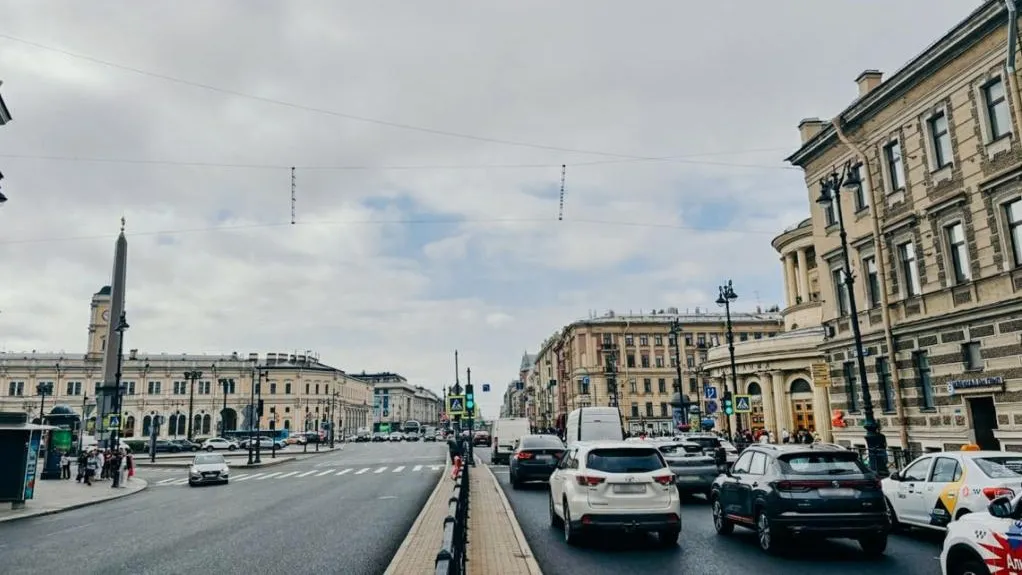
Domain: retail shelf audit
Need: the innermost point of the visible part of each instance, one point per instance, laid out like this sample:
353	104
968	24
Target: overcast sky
428	139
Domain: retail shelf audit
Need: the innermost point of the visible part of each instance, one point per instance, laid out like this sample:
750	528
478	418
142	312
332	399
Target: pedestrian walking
453	447
92	467
65	466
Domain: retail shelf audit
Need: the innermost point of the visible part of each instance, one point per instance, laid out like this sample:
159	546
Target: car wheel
895	524
571	536
769	538
209	448
873	545
669	537
230	448
555	521
968	567
721	523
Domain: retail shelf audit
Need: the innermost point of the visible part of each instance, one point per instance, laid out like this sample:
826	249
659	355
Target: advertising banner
32	461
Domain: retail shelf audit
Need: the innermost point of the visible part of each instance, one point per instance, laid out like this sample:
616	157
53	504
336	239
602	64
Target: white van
506	433
594	424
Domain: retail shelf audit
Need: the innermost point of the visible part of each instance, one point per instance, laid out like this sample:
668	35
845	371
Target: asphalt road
319	519
701	550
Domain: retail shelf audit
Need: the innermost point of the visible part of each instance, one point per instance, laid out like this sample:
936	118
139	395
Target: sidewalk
496	543
56	495
417	554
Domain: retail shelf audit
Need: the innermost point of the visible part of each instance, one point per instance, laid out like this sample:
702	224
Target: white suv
614	485
219	443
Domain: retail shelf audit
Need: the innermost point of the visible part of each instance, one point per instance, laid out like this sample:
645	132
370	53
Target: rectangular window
17	388
1013	218
154	387
895	166
663	410
997	109
971	356
884	381
853	396
635	410
629	339
958	252
643	340
869	264
940	137
645	360
630	360
659	361
841	292
647	385
909	269
129	387
693	385
830	212
658	339
631	386
74	388
649	409
273	388
921	361
690	361
661	385
862	190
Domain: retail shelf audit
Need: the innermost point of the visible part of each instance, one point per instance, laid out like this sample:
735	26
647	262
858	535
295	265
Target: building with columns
785	376
299	392
630	361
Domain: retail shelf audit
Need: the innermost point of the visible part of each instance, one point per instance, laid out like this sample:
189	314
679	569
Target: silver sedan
208	468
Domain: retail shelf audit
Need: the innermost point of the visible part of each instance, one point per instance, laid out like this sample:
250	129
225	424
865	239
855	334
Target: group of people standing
117	465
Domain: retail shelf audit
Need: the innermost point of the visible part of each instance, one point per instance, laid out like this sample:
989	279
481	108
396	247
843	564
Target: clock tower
99	323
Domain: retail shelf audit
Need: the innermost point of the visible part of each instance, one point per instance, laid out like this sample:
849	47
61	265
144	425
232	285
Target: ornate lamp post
728	295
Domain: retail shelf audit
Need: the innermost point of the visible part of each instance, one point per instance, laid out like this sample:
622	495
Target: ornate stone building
299	392
936	243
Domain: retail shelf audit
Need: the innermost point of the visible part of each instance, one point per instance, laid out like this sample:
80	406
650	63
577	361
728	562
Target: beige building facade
298	391
785	376
572	366
395	401
935	236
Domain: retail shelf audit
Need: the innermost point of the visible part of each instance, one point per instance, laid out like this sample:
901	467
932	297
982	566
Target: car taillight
523	455
588	480
796	486
995	492
558	454
664	479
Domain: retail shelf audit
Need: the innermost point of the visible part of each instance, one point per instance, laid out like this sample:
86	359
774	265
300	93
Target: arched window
801	386
172	424
755	389
206	424
147	425
287	424
182	423
129	426
196	423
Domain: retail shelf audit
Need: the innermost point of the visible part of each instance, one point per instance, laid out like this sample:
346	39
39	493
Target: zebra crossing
374	470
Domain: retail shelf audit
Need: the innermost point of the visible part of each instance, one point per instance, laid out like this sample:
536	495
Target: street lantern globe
852	178
123	323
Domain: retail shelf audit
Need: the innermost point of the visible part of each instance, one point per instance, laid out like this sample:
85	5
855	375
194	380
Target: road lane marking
238	477
417	468
399	469
287	475
247	478
168	480
343	471
180	482
269	475
361	471
380	470
327	472
308	473
436	467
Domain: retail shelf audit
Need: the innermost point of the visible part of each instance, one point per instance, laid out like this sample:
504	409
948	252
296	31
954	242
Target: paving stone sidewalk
496	543
417	554
56	495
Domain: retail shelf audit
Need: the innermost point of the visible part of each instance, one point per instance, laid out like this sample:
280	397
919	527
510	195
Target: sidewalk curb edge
76	505
406	543
523	544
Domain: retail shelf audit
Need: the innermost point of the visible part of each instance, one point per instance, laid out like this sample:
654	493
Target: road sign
486	387
455	404
113	422
710	392
711	407
743	404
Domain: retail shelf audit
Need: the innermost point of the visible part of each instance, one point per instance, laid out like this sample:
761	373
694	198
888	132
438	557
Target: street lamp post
677	401
81	423
830	191
43	389
191	376
122	326
333	412
728	295
251	419
263	374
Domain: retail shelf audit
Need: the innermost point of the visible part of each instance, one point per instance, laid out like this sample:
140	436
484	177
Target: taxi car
941	487
985	542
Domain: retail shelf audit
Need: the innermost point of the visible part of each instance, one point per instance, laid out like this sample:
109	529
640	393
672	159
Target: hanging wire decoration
560	211
293	195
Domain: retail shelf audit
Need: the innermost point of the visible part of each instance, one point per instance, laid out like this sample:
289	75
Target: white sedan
219	443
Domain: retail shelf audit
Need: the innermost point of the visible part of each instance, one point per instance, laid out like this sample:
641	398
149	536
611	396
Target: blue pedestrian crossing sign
710	392
455	405
743	404
113	422
486	387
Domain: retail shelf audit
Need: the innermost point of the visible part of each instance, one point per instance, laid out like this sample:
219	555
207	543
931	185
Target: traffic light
729	406
470	399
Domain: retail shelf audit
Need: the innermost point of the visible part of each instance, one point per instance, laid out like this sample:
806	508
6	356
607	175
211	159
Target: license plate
837	492
628	488
688	478
544	458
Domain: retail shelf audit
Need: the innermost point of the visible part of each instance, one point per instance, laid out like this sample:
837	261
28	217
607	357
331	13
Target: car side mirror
895	476
1001	507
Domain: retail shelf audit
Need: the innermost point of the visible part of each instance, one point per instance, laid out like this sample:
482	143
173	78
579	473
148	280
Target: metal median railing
450	560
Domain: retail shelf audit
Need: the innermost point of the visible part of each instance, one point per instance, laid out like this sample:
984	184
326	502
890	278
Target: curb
530	558
32	514
392	568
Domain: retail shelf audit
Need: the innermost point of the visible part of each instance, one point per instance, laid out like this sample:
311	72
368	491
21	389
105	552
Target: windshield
625	460
705	442
541	442
821	463
1008	467
208	459
681	449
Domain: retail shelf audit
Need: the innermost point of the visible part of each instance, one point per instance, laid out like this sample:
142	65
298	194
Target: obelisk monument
105	400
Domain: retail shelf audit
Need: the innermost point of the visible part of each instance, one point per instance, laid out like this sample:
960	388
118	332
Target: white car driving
208	468
614	485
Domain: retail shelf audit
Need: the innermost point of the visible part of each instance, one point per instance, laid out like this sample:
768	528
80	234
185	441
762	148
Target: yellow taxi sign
970	447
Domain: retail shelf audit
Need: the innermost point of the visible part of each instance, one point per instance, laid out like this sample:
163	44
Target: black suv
783	491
